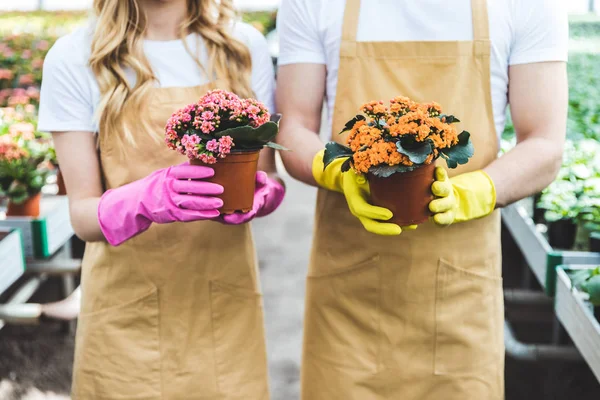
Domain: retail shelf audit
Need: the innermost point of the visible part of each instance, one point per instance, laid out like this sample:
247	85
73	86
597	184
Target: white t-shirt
70	93
522	31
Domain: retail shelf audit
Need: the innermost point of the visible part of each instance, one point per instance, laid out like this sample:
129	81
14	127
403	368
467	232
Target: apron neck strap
479	13
350	27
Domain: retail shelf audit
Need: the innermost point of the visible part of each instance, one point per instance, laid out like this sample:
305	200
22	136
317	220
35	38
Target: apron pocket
342	316
118	353
467	315
239	340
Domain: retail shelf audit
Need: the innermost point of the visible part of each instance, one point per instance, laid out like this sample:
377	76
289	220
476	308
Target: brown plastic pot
62	189
29	208
237	174
406	195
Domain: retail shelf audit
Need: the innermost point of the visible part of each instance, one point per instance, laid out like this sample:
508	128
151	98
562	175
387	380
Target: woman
170	295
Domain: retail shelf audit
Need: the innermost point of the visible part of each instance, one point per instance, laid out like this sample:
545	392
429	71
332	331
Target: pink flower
208	115
42	45
26	79
6	74
207	127
212	145
26	54
225	145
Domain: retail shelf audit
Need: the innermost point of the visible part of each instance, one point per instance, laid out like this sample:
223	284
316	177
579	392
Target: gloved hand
268	195
174	194
462	198
356	190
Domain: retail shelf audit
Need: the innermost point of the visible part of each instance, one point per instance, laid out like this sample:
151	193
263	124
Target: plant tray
44	235
577	317
12	260
538	253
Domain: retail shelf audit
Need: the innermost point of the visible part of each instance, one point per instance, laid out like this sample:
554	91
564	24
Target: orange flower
374	144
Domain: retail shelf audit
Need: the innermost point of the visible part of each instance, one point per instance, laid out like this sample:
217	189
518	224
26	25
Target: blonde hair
117	45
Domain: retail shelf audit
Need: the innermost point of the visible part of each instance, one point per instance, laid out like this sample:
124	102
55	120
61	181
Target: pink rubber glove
174	194
268	195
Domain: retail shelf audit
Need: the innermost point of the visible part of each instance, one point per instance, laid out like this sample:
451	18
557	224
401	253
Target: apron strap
479	10
350	27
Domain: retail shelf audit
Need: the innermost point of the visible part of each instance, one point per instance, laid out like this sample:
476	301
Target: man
417	314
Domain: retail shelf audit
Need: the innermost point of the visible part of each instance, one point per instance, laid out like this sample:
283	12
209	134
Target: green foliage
460	153
264	21
575	194
384	171
584	29
333	151
351	123
23	177
416	152
249	138
587	281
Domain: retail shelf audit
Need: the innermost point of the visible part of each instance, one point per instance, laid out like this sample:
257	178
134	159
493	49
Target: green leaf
275	118
351	123
450	119
276	146
385	171
347	165
578	277
334	151
417	154
592	287
247	137
460	153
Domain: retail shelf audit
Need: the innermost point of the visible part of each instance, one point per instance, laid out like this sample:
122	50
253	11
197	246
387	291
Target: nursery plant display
573	199
227	133
396	148
25	162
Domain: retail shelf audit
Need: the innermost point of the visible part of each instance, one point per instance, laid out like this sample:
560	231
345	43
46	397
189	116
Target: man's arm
299	99
538	95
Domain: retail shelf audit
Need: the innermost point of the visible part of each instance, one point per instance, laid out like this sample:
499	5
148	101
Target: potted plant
588	282
23	170
227	133
396	147
561	204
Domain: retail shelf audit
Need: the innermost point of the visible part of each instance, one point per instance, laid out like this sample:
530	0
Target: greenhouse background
550	241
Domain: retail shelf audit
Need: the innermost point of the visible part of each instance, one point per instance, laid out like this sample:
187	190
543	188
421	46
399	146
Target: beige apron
176	312
419	316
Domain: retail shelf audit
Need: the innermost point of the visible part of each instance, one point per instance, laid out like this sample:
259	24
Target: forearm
84	218
527	169
304	144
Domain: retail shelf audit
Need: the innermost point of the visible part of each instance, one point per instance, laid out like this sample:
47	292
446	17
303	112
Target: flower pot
561	234
406	195
595	241
29	208
62	190
538	213
237	174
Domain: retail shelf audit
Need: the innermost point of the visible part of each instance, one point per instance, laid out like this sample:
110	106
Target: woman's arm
80	167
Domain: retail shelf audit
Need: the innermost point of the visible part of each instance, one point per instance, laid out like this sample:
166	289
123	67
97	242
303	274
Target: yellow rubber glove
462	198
356	190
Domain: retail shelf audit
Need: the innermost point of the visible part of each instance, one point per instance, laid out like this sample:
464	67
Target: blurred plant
587	281
575	194
26	155
264	21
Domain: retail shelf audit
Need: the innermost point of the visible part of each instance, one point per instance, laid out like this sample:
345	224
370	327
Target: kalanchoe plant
401	138
220	122
24	162
587	281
